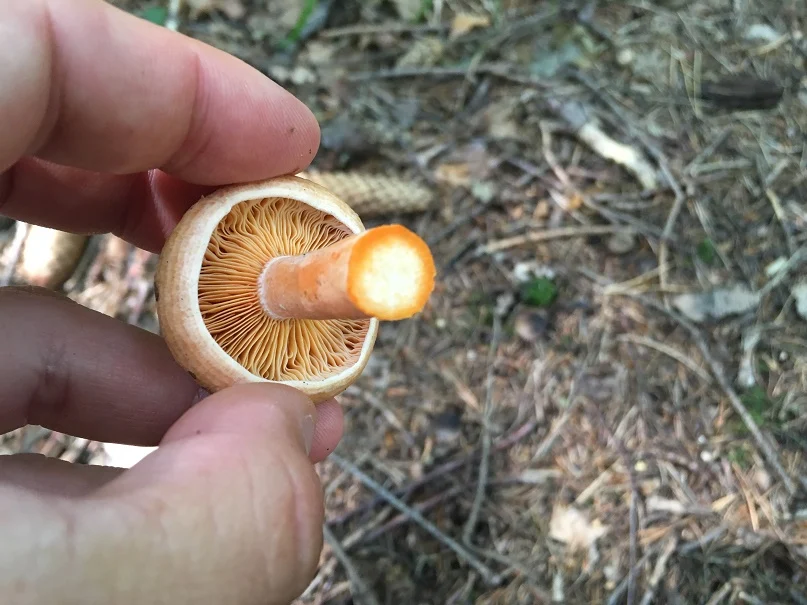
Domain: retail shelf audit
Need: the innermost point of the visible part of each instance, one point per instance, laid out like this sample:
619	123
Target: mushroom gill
252	233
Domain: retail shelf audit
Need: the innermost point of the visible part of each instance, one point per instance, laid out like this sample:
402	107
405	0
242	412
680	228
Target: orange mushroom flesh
288	291
386	272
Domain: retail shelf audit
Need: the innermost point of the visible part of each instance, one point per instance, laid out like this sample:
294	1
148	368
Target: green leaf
707	251
155	14
757	403
739	455
302	20
540	292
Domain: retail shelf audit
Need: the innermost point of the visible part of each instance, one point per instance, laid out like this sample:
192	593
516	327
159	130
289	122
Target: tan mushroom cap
208	290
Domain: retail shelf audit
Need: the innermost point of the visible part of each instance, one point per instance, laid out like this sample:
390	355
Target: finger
77	371
228	510
81	372
133	97
52	476
142	208
328	431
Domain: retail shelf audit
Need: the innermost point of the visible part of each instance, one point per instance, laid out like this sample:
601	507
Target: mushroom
279	281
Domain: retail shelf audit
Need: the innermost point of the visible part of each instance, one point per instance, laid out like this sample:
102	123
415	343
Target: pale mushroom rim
186	265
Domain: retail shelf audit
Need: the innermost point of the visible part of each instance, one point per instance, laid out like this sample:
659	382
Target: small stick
661	160
720	593
670	352
633	518
386	272
550	234
388	414
364	29
172	19
589	133
716	367
449	467
780	216
482	480
400	519
658	571
717	370
798	257
487	574
361	591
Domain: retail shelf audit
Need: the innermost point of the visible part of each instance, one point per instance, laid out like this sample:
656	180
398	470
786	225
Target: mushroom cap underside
210	313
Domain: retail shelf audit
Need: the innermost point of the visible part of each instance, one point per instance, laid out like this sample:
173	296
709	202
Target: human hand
112	124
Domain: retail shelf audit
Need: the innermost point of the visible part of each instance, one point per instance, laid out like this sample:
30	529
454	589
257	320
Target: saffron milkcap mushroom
279	281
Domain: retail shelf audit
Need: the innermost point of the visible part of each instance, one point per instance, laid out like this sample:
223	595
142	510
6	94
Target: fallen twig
587	130
172	19
400	519
719	373
361	592
550	234
444	469
659	570
670	352
490	577
780	216
798	257
633	519
366	29
623	584
658	155
484	464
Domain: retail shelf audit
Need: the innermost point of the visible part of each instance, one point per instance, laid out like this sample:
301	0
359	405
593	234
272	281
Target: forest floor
605	401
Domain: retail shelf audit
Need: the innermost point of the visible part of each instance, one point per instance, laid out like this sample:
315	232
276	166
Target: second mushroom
280	281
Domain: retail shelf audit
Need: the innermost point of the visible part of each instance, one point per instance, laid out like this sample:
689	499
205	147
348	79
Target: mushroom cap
207	290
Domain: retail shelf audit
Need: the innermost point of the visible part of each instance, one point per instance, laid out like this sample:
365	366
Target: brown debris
49	257
744	93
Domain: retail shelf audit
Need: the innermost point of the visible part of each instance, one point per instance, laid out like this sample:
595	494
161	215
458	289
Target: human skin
113	124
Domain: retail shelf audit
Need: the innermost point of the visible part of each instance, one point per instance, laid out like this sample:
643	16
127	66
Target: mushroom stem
386	272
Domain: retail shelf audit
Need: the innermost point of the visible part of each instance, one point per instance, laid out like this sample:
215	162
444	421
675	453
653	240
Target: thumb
229	509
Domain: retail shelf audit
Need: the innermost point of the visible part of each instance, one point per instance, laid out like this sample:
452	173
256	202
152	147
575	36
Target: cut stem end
385	273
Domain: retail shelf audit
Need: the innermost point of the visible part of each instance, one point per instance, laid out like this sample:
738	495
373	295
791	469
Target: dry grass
615	468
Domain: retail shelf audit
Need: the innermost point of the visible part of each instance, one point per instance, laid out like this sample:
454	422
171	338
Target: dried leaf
232	8
665	505
762	32
573	528
423	53
718	303
501	121
621	243
457	175
538	476
466	22
50	256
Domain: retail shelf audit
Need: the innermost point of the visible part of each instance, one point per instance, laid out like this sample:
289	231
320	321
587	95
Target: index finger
89	86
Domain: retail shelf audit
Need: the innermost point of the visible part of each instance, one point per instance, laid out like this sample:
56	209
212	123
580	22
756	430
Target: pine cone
373	194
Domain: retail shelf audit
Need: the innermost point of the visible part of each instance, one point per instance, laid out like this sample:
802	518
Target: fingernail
308	432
